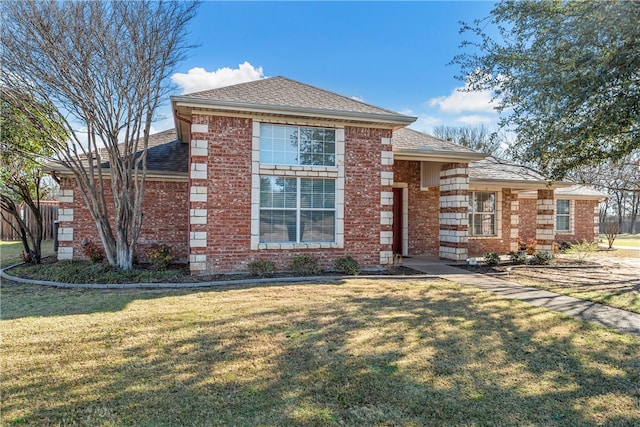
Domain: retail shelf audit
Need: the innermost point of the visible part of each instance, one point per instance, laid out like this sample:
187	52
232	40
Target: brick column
545	220
65	223
515	223
454	211
198	193
386	203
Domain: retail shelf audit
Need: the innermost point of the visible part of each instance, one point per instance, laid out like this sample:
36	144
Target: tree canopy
566	75
104	66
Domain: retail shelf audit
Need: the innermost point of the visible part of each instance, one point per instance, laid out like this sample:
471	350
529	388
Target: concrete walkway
586	310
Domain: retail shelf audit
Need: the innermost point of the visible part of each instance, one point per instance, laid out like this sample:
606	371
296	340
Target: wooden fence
49	216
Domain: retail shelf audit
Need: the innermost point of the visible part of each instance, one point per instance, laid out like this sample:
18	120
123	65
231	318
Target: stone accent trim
453	216
199	147
515	224
199	128
198	171
545	220
198	194
65	215
386	257
198	239
65	253
197	262
65	234
65	196
198	216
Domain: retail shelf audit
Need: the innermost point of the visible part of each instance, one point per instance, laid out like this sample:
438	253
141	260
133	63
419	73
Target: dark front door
397	220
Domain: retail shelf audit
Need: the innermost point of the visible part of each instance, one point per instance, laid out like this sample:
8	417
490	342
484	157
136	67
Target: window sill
295	246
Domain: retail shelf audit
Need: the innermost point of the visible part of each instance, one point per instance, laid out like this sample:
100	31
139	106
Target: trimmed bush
92	250
159	256
519	257
262	268
541	258
348	265
305	265
491	258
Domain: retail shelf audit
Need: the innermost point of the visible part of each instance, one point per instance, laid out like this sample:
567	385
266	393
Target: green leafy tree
22	182
105	67
565	73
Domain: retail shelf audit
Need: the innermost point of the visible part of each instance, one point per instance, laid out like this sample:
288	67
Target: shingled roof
411	139
495	169
166	156
289	96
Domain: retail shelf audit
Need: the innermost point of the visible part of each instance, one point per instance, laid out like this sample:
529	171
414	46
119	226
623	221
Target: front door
397	220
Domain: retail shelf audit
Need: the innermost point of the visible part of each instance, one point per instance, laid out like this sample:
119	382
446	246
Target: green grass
354	352
10	251
630	240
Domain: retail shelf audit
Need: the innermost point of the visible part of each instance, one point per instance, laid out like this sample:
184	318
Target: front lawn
10	251
355	352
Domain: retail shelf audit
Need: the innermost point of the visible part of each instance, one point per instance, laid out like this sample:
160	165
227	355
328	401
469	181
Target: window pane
279	144
317	226
277	192
317	193
562	223
317	146
562	207
277	226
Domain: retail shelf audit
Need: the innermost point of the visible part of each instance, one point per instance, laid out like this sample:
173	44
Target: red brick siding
229	198
166	218
583	222
424	207
501	245
528	212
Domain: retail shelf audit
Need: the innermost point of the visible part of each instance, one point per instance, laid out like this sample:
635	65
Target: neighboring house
271	169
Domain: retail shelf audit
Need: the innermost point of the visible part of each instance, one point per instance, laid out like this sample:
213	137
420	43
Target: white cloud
357	98
198	79
474	119
425	123
461	100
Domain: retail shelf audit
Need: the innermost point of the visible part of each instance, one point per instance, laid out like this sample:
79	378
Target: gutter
224	105
426	154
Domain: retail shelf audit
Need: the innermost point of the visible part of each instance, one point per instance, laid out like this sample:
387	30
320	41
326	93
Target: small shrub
529	245
518	258
582	249
262	268
159	256
541	258
491	258
348	265
92	250
565	247
305	265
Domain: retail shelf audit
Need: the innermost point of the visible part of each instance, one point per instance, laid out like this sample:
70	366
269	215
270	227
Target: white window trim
498	214
572	209
337	172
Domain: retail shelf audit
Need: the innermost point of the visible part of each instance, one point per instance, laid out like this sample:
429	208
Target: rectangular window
297	210
563	211
482	213
296	145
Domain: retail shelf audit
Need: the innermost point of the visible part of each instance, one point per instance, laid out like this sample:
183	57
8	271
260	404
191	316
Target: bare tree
477	137
104	66
621	179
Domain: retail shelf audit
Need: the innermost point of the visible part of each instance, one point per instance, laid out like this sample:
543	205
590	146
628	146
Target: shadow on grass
25	300
412	354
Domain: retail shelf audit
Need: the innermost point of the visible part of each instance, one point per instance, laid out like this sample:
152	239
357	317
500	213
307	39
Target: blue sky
390	54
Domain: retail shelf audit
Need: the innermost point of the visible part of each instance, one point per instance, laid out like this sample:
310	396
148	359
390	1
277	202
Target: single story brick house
274	168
